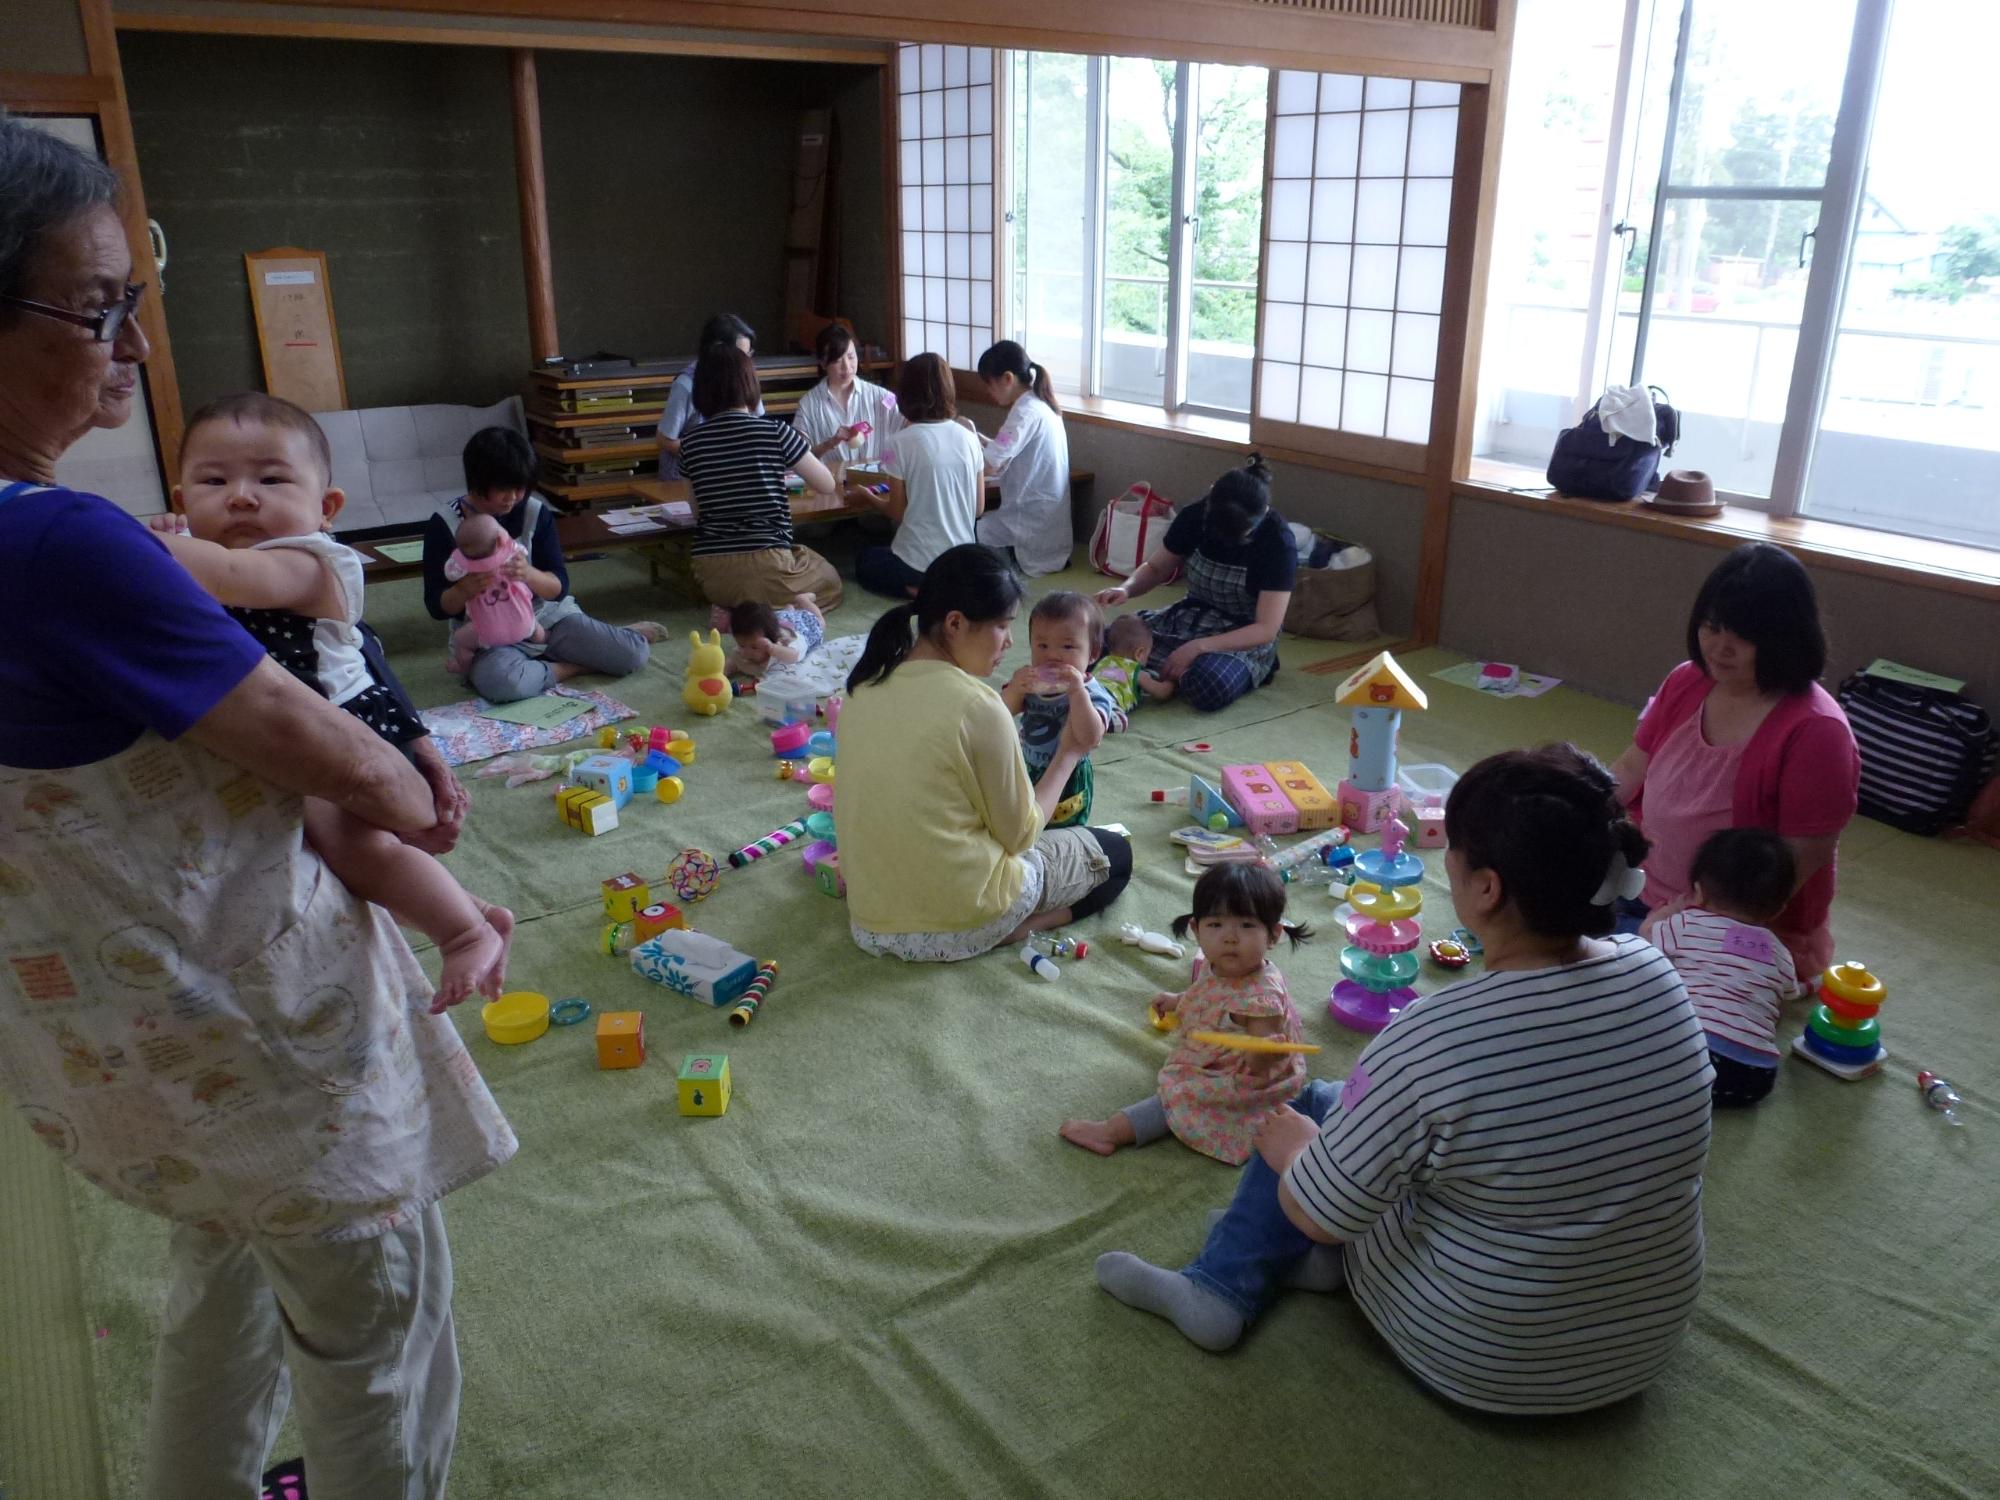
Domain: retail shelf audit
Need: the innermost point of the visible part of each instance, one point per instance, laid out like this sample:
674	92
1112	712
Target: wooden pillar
114	123
532	187
1475	184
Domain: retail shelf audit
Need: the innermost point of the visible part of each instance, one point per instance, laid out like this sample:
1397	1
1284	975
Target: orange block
621	1039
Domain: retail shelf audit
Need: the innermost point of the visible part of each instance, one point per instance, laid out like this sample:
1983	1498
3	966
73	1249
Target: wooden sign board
295	330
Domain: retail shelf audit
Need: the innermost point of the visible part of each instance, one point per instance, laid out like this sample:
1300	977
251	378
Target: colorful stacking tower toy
1389	866
1842	1035
1378	692
1380	959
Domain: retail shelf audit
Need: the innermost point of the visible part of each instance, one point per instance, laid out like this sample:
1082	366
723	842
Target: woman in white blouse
830	412
937	482
1031	456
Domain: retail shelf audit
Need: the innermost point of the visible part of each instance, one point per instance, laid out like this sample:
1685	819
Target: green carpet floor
873	1276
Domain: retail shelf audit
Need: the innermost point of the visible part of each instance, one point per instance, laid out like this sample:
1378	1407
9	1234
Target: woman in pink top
1741	735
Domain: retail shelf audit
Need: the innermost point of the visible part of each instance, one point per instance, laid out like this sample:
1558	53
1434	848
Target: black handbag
1592	465
1924	752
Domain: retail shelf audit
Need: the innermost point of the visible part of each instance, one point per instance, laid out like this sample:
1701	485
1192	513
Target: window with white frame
1134	216
1360	202
1754	208
945	135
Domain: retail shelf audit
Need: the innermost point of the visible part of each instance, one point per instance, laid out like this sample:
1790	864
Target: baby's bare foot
501	921
1101	1136
469	960
652	630
718	617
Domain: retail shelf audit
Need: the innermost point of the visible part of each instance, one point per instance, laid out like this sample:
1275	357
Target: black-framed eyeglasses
104	325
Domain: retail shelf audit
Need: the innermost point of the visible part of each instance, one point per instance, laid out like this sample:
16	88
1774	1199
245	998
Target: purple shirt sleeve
117	638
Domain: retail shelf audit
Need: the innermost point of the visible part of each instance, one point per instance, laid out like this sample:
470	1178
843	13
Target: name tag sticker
1748	942
1356	1088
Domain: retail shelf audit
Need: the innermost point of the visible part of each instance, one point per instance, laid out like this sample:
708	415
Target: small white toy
1151	942
1043	966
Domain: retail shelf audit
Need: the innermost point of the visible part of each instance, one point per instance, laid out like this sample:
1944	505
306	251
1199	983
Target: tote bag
1131	529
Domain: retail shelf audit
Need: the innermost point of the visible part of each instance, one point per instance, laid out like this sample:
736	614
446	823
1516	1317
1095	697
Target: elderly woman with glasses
197	1017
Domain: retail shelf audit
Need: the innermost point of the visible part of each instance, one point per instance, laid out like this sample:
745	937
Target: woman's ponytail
1009	358
889	641
968	579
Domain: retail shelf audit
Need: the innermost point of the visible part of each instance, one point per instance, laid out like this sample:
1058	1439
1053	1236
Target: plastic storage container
1426	786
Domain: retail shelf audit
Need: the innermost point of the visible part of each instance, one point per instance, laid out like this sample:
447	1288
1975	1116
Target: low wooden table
586	531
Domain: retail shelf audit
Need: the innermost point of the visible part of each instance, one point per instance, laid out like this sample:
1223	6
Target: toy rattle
1151	942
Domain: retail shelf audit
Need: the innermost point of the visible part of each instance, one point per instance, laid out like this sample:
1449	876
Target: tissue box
695	964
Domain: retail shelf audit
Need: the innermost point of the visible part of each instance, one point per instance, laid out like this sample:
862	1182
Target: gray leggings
506	674
1149	1120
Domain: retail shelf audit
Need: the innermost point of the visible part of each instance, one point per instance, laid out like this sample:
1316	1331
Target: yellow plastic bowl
515	1017
820	768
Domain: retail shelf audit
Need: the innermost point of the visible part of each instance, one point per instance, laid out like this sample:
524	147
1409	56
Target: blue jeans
1254	1244
1631	912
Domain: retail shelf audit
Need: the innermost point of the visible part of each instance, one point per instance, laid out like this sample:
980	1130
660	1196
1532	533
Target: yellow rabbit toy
707	691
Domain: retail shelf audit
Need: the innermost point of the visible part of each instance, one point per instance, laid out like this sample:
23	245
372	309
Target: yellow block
1318	808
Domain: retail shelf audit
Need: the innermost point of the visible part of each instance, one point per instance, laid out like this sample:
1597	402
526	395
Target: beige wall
1385	518
1605	607
42	36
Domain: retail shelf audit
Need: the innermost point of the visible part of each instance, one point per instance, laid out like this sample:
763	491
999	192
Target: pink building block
1430	828
1258	797
1365	811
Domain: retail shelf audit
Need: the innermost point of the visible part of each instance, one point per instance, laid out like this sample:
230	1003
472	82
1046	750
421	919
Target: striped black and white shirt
736	465
1515	1167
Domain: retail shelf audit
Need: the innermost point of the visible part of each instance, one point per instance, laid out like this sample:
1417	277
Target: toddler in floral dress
1213	1097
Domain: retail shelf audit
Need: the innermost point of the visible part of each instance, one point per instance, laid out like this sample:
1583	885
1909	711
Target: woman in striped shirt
1509	1182
735	464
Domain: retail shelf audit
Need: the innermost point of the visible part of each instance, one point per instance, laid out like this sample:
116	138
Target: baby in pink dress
1211	1096
503	612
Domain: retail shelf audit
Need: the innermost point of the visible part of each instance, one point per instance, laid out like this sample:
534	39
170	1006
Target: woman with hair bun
1221	640
1509	1181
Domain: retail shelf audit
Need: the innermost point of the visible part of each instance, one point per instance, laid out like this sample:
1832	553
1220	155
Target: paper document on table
661	517
402	552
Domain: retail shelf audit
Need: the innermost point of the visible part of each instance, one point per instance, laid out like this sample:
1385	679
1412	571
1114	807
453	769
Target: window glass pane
1763	85
1138	190
1552	166
1909	437
1228	164
1049	210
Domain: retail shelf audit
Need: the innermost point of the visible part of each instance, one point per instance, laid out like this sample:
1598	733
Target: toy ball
693	875
1218	821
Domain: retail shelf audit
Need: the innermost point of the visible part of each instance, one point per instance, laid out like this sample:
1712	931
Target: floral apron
200	1019
1211	1103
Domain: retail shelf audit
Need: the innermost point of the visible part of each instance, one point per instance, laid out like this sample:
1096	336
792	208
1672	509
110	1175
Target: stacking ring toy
1853	985
569	1012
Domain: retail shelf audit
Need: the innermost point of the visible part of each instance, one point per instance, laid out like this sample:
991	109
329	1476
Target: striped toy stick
753	997
777	838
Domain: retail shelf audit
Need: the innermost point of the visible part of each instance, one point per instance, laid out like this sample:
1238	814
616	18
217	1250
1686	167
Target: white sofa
399	463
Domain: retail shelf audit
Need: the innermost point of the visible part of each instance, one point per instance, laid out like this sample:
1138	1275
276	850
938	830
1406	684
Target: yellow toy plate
1853	984
515	1017
1397	904
1238	1042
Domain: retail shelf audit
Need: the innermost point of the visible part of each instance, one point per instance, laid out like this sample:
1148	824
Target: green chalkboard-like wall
669	186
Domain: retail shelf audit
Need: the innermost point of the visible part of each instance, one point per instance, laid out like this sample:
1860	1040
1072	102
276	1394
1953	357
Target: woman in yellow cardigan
943	842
